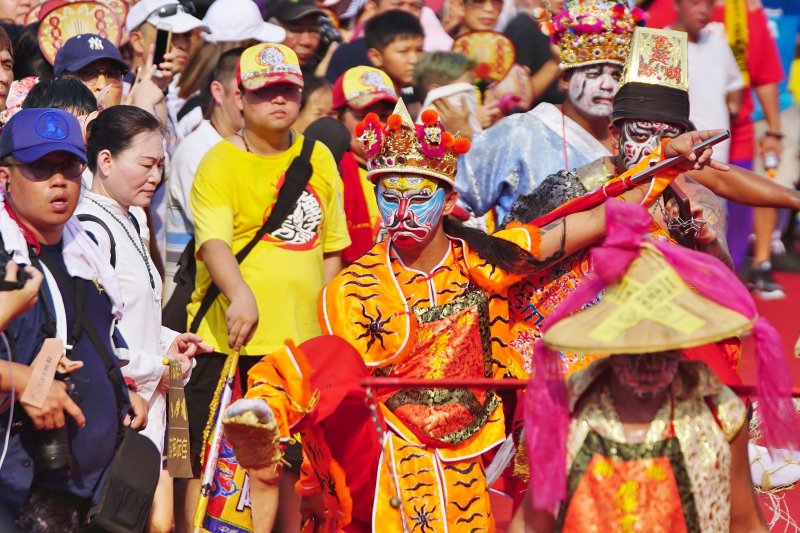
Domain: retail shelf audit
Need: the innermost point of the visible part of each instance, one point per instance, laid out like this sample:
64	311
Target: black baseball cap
292	10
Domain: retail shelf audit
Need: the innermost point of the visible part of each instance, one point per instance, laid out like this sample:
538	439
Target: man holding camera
57	454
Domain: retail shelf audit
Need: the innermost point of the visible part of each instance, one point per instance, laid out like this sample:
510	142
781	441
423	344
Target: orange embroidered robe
449	323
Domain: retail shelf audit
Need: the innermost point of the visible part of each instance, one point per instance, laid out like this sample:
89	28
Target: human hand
489	113
454	116
706	234
241	319
188	345
770	145
58	402
517	85
682	145
16	302
139	407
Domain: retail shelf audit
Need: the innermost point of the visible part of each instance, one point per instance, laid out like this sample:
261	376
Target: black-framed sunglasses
44	170
187	6
90	75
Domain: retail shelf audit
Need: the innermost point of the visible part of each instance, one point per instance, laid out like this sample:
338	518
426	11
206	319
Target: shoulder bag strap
297	177
86	217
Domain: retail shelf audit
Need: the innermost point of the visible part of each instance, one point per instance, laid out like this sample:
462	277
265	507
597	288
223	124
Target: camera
52	451
328	34
22	276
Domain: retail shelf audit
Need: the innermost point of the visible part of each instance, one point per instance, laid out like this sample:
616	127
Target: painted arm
746	187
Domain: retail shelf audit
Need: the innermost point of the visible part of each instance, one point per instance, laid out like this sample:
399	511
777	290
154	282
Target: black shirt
533	51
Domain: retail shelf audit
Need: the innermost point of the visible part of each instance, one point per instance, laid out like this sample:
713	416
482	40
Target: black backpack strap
297	177
86	217
76	290
188	106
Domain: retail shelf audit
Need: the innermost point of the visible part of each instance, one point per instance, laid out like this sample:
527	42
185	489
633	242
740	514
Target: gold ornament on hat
68	19
494	53
590	32
400	146
658	57
651	309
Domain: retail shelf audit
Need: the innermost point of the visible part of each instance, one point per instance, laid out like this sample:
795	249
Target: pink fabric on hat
546	410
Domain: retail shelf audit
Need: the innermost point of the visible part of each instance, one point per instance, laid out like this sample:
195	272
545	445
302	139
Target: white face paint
592	88
639	138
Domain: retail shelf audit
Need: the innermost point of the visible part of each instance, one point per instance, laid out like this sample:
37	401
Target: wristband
774	134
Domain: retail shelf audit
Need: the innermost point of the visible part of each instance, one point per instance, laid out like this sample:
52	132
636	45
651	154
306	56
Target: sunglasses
90	75
44	170
187	6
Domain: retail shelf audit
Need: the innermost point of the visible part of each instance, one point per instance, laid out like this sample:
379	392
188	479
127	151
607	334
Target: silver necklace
142	252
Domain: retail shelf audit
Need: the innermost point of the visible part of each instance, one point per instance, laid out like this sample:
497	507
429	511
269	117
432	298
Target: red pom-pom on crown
461	146
430	117
394	121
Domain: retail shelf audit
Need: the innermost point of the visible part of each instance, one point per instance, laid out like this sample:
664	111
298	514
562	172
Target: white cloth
81	255
436	39
511	158
454	93
180	222
713	74
141	325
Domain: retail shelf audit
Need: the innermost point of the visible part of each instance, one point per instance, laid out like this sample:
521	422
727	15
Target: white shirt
713	74
180	223
141	321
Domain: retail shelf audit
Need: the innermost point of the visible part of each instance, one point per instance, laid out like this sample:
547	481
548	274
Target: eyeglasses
90	75
44	170
172	9
496	4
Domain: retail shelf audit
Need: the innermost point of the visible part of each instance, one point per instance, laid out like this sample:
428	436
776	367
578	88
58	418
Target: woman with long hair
125	149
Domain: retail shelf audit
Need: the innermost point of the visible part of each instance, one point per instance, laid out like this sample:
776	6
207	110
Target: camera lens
53	450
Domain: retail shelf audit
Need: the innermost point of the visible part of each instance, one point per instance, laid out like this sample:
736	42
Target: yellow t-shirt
233	194
372	203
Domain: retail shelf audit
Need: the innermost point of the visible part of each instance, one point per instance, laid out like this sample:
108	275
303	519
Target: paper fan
493	52
68	19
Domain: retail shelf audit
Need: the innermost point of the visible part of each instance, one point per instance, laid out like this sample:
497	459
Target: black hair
222	71
498	252
382	30
115	128
312	84
28	57
64	93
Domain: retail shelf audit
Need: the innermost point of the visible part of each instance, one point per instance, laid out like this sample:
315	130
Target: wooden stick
502	384
216	440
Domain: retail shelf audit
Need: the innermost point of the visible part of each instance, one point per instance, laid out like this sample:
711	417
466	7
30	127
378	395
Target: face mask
411	208
592	89
646	375
639	139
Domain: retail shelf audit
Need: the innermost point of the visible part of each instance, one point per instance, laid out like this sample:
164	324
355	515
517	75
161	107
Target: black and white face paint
638	139
592	88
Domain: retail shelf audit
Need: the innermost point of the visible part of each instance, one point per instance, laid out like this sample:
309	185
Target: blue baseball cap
32	134
83	49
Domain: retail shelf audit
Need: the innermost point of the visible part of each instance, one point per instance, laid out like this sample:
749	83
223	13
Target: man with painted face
430	302
512	157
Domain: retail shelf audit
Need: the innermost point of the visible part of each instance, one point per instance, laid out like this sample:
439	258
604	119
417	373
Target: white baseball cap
165	11
239	20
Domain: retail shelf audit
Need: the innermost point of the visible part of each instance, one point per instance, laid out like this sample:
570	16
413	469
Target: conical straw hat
649	310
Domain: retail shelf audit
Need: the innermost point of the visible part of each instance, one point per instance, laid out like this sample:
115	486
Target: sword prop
216	441
616	188
502	384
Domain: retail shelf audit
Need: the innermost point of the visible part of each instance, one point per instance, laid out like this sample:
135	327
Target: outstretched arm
747	187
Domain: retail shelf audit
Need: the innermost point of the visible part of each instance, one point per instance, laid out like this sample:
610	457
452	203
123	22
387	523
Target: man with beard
646	112
512	157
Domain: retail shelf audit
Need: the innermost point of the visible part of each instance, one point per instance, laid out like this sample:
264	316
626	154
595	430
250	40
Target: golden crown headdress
401	146
593	31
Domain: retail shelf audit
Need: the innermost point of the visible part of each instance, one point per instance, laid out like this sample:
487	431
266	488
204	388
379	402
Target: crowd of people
358	265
